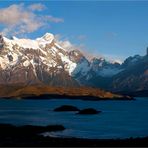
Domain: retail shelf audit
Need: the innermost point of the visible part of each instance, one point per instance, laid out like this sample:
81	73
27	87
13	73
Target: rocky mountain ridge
45	61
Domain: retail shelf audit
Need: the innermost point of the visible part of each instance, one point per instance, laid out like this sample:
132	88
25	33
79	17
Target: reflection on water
119	119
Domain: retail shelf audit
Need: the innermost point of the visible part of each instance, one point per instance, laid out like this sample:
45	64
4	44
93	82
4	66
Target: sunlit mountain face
46	55
96	53
45	60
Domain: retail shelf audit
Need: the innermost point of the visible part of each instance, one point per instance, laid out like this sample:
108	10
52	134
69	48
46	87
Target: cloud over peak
19	19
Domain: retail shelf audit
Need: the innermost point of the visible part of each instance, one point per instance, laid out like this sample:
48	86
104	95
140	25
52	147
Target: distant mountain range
44	61
130	76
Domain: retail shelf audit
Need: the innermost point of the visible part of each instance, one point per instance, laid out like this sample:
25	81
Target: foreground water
119	119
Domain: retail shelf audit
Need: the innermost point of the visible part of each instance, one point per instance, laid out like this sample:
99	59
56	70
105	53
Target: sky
113	29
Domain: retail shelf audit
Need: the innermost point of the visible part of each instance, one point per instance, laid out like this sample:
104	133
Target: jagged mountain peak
47	37
28	52
41	42
96	60
132	60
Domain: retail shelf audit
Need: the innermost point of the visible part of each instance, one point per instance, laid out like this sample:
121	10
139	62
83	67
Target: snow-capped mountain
45	61
105	68
42	59
131	75
31	52
34	61
95	72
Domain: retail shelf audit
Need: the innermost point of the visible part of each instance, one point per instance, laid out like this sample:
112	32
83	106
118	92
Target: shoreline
47	92
58	96
30	135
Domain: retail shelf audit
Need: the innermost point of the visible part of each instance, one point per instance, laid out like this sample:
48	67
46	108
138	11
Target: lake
119	119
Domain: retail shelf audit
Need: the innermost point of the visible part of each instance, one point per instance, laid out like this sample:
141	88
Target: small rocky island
69	108
88	111
66	108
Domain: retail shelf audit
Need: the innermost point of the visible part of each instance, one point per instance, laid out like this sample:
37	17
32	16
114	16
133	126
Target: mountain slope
44	91
35	61
44	61
133	78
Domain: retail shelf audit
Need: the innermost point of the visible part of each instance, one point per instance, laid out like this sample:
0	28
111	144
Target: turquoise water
119	119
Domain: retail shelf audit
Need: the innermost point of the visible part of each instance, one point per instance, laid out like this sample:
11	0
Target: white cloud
57	37
18	19
37	7
12	14
53	19
66	44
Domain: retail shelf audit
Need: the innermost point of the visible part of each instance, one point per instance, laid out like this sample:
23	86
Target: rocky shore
30	136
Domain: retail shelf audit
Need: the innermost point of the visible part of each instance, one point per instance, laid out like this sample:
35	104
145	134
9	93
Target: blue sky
115	29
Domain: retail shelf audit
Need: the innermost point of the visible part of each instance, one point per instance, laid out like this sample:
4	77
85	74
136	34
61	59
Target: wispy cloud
88	52
37	7
68	45
18	19
53	19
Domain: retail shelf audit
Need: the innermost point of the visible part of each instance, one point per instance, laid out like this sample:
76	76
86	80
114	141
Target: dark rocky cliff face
20	75
133	78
